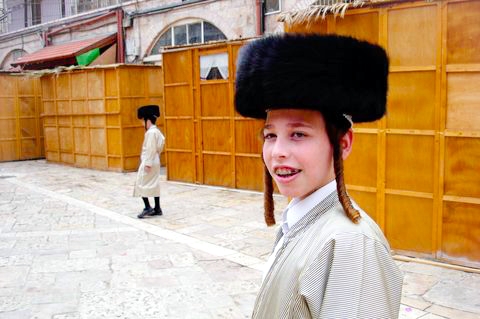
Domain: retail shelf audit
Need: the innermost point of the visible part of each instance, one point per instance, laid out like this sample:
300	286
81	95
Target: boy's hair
339	76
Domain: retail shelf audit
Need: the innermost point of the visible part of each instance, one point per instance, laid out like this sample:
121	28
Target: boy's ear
346	143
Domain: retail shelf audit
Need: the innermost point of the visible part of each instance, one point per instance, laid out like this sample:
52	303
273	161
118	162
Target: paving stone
85	254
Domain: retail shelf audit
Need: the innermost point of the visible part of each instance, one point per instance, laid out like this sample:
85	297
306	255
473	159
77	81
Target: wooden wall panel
367	201
409	161
463	32
214	137
217	170
21	135
409	224
214	100
249	171
411	93
86	105
361	164
461	232
369	30
463	100
462	163
412	35
244	131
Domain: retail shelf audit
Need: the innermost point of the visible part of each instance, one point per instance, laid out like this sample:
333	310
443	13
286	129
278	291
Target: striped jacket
330	268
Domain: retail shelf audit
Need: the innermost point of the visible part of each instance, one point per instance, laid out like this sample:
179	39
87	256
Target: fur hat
148	111
333	74
342	77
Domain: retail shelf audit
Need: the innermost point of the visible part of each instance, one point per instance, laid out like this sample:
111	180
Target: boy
147	183
330	260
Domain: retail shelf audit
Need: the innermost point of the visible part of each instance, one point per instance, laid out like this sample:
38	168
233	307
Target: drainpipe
120	46
260	17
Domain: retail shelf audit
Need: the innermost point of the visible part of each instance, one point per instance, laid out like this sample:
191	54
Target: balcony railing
18	14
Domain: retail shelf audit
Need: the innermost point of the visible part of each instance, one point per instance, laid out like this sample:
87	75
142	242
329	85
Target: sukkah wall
90	114
417	171
21	131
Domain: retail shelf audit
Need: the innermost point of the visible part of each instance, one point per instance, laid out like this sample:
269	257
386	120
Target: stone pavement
72	247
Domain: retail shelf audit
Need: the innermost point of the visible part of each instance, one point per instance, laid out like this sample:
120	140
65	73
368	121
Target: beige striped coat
329	267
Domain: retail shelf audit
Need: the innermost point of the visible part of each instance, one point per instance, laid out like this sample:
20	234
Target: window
190	33
272	6
214	66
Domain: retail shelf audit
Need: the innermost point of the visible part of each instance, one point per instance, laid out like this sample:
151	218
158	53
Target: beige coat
331	268
148	184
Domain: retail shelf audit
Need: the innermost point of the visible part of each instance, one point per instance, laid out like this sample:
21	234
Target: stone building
142	27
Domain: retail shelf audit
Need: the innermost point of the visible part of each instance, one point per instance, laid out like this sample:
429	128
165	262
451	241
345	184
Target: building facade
144	27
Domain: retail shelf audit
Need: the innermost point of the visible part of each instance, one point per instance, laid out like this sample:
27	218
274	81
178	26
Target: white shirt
295	210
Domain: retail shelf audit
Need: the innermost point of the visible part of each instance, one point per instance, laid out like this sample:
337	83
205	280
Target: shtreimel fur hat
333	74
342	77
148	111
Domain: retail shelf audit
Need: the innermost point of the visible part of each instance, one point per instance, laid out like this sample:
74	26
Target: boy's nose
280	148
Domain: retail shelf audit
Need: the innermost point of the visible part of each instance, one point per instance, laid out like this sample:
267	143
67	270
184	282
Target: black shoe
156	212
145	212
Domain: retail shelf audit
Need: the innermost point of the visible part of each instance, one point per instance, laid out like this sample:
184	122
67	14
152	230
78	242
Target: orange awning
62	54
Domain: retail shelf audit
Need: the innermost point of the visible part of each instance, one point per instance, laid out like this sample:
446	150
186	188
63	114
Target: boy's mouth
286	172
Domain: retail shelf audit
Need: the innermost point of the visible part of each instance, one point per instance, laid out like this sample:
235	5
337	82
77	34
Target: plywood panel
411	93
247	173
180	134
217	170
8	130
249	136
409	160
114	145
179	167
360	26
98	141
215	135
28	128
463	32
82	144
215	99
62	86
65	139
178	101
319	26
27	106
95	85
132	140
131	83
463	100
79	83
461	233
367	201
408	223
8	150
177	67
29	148
154	81
462	173
8	86
111	83
361	165
412	36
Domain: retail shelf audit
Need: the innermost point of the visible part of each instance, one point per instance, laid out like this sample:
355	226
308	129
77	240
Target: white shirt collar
297	208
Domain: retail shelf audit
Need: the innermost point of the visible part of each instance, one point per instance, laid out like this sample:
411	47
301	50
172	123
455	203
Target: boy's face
297	151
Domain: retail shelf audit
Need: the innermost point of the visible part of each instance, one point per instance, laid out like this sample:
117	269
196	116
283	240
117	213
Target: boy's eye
268	136
298	134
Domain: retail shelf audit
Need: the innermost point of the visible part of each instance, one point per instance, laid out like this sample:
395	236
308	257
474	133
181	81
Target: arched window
11	57
189	33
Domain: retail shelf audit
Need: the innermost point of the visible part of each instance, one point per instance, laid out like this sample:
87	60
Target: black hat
333	74
148	111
